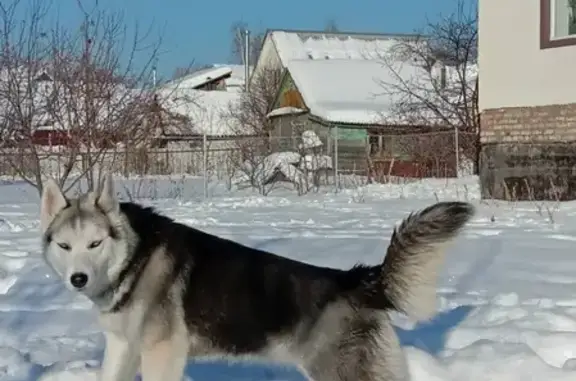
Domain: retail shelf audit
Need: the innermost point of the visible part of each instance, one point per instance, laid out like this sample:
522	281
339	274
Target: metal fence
333	159
176	160
419	155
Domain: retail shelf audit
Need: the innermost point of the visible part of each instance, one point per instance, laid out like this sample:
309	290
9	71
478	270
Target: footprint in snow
7	283
7	226
12	265
562	237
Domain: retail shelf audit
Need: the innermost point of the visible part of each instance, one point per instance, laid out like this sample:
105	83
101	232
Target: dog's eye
64	246
94	244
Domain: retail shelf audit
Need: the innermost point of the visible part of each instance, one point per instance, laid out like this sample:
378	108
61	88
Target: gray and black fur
234	300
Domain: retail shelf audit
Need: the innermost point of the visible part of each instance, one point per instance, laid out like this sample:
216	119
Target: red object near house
49	137
380	169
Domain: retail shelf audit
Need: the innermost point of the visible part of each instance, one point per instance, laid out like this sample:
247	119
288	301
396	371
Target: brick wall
528	153
529	124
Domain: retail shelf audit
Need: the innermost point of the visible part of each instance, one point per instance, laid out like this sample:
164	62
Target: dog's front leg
165	360
121	359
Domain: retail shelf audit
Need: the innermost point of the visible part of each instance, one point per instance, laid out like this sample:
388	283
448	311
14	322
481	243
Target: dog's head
85	239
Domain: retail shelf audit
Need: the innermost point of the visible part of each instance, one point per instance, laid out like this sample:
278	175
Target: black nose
79	280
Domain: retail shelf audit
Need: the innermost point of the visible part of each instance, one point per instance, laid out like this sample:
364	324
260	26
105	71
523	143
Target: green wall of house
351	134
287	84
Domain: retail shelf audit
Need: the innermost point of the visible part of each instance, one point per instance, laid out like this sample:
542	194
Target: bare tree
249	119
447	54
183	71
238	30
246	163
258	160
73	87
264	167
255	164
252	110
433	78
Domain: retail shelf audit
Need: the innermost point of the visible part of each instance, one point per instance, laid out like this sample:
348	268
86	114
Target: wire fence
430	154
315	158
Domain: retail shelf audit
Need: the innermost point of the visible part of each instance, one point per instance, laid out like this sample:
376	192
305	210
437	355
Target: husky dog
167	292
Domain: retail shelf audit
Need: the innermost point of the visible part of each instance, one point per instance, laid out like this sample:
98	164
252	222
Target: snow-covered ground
507	295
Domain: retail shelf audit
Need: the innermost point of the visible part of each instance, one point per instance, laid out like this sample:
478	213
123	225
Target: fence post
205	163
336	174
457	150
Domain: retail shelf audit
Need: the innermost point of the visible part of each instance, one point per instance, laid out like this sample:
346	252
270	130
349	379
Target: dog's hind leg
366	350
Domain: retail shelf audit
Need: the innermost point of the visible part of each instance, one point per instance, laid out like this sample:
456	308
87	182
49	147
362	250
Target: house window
563	18
211	86
375	142
557	23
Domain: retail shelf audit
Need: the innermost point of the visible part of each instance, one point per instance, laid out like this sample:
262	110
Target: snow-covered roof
208	111
67	109
199	78
236	80
346	91
320	46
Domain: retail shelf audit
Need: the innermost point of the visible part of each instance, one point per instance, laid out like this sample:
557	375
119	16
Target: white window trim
553	24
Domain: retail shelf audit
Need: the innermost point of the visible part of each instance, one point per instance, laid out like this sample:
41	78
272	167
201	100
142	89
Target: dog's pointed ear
107	199
52	202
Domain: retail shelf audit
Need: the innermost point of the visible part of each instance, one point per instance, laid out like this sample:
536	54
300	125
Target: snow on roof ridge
348	33
324	46
230	65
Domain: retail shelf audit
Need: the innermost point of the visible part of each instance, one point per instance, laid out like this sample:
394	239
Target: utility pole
154	69
246	60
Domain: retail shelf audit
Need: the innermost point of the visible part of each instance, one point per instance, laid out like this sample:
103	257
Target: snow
297	169
348	91
506	304
310	140
209	111
312	162
288	110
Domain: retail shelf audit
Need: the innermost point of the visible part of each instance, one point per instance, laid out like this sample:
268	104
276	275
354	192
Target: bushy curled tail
416	253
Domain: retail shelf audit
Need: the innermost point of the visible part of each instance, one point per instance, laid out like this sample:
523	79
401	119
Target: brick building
527	53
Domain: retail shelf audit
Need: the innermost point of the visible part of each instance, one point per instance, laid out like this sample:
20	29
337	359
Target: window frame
546	40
